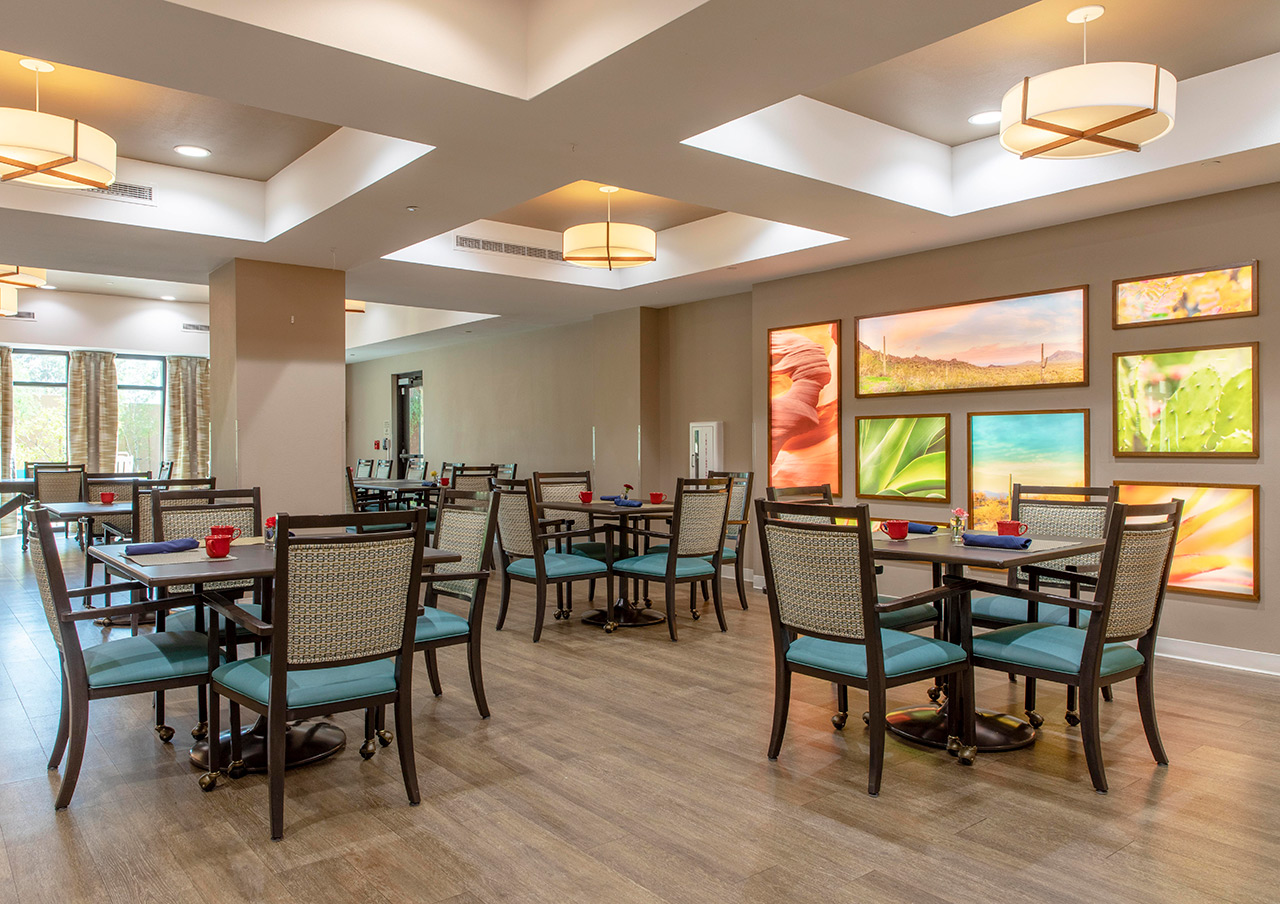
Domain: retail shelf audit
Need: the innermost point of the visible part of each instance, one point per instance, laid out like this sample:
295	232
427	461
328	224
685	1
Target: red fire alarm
377	444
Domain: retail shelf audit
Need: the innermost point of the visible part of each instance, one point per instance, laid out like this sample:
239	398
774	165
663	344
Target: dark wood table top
939	548
385	485
600	507
72	511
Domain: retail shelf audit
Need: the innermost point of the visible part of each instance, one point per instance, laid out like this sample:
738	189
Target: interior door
408	418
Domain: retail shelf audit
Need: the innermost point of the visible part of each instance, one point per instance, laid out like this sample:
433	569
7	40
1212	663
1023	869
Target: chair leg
1092	736
1147	707
404	743
717	598
164	732
506	598
540	612
842	707
740	581
671	610
275	771
201	729
79	731
370	745
781	703
965	721
591	590
433	670
876	713
236	768
64	725
477	679
209	780
706	595
1107	694
1033	717
693	602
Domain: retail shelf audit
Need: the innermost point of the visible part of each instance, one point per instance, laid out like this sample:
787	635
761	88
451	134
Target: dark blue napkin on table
151	549
608	498
915	527
632	503
996	542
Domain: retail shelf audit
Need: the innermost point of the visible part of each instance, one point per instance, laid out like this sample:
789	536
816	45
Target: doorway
408	418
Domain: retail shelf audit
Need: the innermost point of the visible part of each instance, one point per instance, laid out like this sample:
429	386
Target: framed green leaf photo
904	458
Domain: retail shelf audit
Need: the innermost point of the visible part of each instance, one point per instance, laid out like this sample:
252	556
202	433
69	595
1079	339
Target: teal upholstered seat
147	657
558	565
593	550
654	565
1012	611
185	619
309	687
377	528
727	554
912	615
903	653
1055	648
437	624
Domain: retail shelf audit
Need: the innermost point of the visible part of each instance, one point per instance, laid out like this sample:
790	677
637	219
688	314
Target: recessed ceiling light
985	118
411	208
168	298
192	150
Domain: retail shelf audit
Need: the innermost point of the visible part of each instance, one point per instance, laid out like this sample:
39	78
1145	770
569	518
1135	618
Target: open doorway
409	428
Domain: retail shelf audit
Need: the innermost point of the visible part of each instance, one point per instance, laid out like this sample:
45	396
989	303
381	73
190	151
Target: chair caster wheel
838	720
368	748
208	781
1035	719
695	613
966	755
935	693
165	733
385	737
953	745
1073	717
237	769
648	604
610	627
201	731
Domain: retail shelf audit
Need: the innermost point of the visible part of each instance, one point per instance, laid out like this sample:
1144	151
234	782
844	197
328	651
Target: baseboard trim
1224	657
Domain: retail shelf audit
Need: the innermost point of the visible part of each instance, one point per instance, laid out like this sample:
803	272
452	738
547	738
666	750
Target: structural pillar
626	442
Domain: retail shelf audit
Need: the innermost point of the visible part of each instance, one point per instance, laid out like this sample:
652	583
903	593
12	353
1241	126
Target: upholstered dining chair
473	478
506	471
693	551
416	468
522	542
827	623
550	487
341	635
148	663
165	471
57	483
116	527
364	468
382	469
1128	595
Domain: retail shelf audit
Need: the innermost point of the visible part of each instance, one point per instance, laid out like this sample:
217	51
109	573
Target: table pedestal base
305	742
928	725
623	614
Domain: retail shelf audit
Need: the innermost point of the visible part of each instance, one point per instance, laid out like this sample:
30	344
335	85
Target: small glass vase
957	531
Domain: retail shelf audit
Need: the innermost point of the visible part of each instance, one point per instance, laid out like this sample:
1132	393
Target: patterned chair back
60	483
1084	513
739	501
345	598
122	485
698	524
47	565
382	469
190	513
416	469
813	495
364	468
447	468
465	524
144	503
516	517
820	575
506	472
1135	567
551	487
474	479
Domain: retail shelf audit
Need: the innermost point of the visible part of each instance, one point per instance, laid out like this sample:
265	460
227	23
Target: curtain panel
6	431
186	433
93	415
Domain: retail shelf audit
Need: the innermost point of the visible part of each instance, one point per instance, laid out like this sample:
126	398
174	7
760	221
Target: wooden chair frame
746	478
32	470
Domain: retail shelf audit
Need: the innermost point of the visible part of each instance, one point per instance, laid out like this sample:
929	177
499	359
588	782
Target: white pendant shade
43	149
24	277
8	301
1089	110
610	245
352	306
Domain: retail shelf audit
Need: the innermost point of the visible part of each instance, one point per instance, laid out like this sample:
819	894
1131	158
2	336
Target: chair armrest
565	534
229	610
915	599
1075	577
104	589
1019	593
109	531
731	521
129	609
617	528
555	522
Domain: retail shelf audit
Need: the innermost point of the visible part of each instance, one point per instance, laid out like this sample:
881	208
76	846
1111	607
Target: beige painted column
627	424
278	383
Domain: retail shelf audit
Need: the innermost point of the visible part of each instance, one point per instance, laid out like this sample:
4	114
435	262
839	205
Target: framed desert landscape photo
804	405
1185	296
1217	550
1193	402
904	458
1013	342
1041	448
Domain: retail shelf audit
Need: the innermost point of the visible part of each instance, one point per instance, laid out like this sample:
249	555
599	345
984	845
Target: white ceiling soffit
515	47
190	201
387	329
1220	113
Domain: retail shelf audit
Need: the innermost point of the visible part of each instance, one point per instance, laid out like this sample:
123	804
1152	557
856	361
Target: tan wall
1204	232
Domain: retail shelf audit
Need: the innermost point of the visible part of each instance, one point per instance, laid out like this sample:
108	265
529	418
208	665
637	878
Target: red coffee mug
897	530
657	498
225	530
444	481
107	498
586	496
216	546
1011	528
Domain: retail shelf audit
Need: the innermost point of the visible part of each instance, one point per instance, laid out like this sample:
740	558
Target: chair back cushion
739	506
701	522
463	530
1138	582
817	579
364	468
194	521
59	484
472	480
1057	519
382	469
124	493
562	490
515	531
417	469
45	580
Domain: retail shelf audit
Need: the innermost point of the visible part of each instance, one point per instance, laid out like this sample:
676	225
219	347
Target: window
39	407
140	439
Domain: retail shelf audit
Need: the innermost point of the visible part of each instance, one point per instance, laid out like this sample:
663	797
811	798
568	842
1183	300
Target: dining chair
507	471
736	530
364	468
416	468
827	619
56	483
550	487
382	469
358	503
473	478
117	526
142	664
695	546
341	634
165	471
1128	596
522	542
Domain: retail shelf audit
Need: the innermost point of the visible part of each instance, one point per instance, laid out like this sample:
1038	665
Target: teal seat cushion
727	554
437	624
654	565
185	619
309	687
558	565
1010	610
903	653
912	615
376	528
147	657
1055	648
593	550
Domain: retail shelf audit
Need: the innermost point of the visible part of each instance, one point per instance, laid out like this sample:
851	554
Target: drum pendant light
610	245
42	149
22	277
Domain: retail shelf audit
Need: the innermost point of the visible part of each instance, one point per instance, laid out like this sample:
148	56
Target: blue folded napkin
996	542
151	549
609	498
428	483
915	527
632	503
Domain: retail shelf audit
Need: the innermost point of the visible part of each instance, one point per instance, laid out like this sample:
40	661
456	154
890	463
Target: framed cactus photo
904	458
1185	296
1196	402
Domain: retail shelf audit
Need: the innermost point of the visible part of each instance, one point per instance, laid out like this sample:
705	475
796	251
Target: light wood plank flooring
626	768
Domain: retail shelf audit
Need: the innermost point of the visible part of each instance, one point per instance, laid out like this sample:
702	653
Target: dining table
252	562
389	488
928	724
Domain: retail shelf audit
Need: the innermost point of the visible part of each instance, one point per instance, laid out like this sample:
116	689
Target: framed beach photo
1185	296
804	405
904	458
1040	448
1030	341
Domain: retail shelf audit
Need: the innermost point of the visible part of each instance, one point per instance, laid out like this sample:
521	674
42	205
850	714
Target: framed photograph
1199	402
1041	448
1217	552
904	458
804	405
1185	296
1016	341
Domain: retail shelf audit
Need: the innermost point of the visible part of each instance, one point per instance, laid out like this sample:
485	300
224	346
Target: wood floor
627	768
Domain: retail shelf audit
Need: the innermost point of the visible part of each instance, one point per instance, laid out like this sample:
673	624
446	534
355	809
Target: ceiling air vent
195	327
124	191
474	243
24	315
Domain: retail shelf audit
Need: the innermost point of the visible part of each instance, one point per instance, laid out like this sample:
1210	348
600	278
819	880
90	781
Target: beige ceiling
932	91
148	120
583	202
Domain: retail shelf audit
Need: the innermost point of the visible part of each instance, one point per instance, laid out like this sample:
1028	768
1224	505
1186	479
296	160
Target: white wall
67	320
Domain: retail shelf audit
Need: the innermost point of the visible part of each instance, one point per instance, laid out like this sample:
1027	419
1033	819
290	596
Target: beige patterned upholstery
702	516
562	491
59	485
41	569
738	506
146	517
477	482
417	469
1138	580
347	600
461	530
1066	520
195	523
124	493
514	532
817	577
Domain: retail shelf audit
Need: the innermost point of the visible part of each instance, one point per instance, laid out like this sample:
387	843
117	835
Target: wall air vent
123	191
24	315
474	243
195	327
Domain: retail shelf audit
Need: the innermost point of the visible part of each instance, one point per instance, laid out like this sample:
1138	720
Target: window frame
163	388
45	351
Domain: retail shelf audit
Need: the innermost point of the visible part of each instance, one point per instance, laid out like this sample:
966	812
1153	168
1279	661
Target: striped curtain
186	423
93	416
6	431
